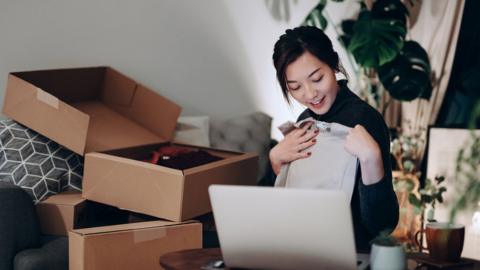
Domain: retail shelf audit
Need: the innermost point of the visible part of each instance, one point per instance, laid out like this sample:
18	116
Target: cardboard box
120	178
89	109
59	213
99	109
62	212
130	246
132	241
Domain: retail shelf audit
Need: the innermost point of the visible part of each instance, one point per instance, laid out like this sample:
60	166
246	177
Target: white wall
213	57
259	31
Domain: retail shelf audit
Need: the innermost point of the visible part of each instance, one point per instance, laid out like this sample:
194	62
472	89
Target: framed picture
444	145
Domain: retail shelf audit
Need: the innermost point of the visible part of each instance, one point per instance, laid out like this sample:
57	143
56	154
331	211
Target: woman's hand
292	146
362	145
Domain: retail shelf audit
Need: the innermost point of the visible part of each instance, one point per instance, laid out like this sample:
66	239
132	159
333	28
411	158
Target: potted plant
376	39
429	195
387	253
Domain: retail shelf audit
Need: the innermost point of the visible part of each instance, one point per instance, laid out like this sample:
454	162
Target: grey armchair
22	247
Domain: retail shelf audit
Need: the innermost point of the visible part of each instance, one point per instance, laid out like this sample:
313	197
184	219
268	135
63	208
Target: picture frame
443	147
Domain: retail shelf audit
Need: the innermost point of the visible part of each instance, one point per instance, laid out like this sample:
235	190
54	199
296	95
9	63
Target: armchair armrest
53	255
19	228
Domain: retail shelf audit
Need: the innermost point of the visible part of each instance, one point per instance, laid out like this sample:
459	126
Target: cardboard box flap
89	109
39	110
65	198
140	104
220	163
128	227
110	130
118	89
123	160
114	155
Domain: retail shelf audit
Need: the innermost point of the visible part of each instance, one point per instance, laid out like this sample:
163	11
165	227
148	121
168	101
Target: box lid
68	198
129	227
89	109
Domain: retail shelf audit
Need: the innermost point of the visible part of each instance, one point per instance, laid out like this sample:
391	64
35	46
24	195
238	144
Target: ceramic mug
444	241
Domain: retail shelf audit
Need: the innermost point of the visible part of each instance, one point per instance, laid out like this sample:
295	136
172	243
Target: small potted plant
424	204
387	253
429	195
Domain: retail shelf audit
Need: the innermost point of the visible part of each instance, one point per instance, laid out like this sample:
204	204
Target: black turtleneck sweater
374	207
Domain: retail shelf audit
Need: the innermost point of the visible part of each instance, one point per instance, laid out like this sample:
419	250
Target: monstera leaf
390	10
376	41
347	29
315	16
407	77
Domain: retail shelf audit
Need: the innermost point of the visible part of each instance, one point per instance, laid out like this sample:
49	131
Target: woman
306	65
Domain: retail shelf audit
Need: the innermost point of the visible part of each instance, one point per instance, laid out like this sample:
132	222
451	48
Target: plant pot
387	257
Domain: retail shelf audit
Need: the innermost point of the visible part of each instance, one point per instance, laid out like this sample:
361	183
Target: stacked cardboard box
115	122
105	237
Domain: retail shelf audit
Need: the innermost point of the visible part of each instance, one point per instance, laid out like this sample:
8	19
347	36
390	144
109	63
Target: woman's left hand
362	145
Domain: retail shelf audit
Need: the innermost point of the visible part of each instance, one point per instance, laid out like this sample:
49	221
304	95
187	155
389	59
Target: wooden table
190	259
196	258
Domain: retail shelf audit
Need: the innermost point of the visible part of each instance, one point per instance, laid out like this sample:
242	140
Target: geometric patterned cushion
37	164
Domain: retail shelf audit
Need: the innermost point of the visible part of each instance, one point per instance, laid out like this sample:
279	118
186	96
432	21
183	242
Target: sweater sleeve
378	202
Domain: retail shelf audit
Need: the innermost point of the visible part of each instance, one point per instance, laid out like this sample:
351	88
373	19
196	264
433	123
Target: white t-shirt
329	167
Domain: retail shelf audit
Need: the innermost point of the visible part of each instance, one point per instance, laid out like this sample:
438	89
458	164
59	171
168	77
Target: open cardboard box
105	237
98	109
121	178
89	109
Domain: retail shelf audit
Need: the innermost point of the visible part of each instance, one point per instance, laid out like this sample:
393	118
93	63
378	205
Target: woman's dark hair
294	43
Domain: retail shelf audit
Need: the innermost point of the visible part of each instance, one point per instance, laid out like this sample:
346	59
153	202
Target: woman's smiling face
312	83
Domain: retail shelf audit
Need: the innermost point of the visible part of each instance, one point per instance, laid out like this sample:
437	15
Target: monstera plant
376	39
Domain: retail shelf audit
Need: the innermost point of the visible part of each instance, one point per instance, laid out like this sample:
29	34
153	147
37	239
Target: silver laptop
273	228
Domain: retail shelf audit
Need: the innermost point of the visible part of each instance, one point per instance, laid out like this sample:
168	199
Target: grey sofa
22	247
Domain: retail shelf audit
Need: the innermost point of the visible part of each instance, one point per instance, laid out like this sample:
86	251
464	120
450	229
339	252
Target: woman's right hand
292	146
